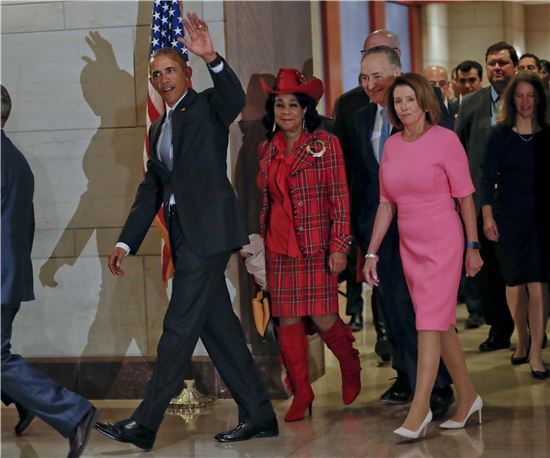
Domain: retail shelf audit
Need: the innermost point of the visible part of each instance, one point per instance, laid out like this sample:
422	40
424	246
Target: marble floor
516	419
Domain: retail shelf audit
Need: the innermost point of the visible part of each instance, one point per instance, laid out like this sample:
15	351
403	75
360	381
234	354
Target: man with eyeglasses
476	116
344	109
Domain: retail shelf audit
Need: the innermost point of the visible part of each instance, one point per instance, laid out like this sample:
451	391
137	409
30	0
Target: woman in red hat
305	222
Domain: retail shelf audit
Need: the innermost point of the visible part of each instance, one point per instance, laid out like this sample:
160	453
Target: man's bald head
437	75
383	37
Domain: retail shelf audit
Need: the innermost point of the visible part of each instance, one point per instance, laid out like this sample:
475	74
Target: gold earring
274	127
304	124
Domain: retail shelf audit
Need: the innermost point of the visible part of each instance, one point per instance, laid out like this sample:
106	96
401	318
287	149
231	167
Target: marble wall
77	74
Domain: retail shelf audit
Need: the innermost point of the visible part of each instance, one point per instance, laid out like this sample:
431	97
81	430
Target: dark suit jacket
207	208
365	187
473	126
344	110
453	106
17	224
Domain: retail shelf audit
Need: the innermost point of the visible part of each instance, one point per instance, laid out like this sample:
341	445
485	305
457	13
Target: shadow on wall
107	89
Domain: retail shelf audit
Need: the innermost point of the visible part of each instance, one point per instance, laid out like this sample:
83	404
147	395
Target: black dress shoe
128	431
399	393
474	321
25	419
79	438
440	401
356	322
382	348
494	343
247	430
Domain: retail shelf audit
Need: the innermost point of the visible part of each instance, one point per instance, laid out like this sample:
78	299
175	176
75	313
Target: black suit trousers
399	312
27	386
200	307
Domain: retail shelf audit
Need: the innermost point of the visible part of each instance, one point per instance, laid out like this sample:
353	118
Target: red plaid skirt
301	286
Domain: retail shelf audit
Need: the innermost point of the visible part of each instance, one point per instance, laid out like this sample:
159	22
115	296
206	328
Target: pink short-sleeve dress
422	177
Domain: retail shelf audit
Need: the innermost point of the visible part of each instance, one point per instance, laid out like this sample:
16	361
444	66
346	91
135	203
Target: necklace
526	138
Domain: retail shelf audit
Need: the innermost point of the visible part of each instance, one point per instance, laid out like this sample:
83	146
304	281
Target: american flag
166	28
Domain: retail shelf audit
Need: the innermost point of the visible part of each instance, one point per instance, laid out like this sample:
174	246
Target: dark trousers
354	290
27	386
200	307
492	289
399	312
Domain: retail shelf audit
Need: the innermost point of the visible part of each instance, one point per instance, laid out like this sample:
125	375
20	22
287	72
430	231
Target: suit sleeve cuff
123	246
216	66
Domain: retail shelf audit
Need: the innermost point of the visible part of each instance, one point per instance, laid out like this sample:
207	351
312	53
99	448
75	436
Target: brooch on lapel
316	148
183	109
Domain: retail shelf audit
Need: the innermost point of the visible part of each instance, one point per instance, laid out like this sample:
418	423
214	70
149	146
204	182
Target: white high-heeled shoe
476	406
404	432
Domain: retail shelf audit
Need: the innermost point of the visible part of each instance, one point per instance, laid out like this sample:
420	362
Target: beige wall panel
266	45
488	14
53	242
103	241
538	43
93	15
473	45
89	312
141	63
32	17
461	14
211	10
537	17
55	88
514	15
86	179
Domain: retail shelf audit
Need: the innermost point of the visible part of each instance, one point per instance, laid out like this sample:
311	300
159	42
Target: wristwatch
473	245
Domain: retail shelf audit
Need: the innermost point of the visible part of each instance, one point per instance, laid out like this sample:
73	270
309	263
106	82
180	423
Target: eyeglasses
363	51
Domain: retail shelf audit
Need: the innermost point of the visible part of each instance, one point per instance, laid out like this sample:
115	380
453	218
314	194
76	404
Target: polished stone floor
516	419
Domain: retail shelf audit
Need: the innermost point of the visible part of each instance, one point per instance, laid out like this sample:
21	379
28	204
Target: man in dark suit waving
32	392
187	174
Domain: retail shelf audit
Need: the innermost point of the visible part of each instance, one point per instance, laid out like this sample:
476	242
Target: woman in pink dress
423	170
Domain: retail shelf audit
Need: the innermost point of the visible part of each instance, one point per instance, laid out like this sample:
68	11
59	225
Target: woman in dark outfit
515	211
305	222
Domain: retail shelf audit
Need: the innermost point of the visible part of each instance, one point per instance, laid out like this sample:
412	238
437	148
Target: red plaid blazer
318	191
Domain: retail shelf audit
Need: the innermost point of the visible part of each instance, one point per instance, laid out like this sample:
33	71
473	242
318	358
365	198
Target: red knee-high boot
293	344
340	341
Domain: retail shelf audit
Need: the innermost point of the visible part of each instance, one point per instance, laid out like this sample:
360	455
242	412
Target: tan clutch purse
261	312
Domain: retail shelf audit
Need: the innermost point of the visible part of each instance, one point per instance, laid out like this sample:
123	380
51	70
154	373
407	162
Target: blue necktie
166	142
384	134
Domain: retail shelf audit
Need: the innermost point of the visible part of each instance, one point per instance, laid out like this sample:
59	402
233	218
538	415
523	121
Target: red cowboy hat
291	81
